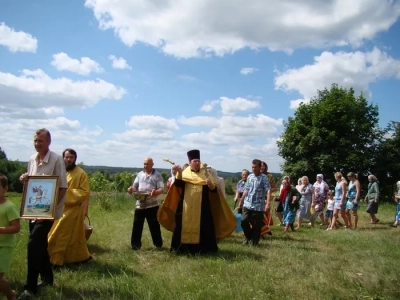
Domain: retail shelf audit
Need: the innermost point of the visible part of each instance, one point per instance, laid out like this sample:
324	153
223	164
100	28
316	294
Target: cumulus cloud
62	62
231	106
17	41
247	71
119	63
36	89
204	27
229	130
348	69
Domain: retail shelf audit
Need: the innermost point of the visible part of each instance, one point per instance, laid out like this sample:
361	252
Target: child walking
9	225
397	199
329	209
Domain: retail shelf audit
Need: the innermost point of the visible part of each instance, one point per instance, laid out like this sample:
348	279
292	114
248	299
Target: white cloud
153	122
247	71
17	41
294	104
232	106
200	121
119	62
229	130
348	69
62	62
35	89
203	27
209	105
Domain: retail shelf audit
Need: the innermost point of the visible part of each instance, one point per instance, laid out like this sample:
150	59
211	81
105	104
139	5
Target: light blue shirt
257	187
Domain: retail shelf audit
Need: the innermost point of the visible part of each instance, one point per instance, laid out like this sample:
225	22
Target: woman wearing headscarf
279	208
373	198
321	189
307	201
289	199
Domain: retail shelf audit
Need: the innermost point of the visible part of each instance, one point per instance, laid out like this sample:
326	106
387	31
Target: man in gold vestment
67	242
195	210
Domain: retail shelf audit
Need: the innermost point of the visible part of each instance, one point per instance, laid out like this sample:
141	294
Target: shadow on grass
102	291
96	249
372	228
99	268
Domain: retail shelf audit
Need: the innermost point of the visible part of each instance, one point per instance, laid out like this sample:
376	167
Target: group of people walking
195	210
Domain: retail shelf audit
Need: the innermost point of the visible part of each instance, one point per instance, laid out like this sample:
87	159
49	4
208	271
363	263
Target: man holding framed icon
44	162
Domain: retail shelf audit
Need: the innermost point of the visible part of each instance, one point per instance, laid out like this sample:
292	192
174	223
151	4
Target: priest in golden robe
195	210
67	242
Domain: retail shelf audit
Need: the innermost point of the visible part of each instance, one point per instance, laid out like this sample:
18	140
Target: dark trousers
256	220
38	257
150	214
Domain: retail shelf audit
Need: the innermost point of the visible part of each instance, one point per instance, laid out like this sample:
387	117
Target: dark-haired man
67	241
253	204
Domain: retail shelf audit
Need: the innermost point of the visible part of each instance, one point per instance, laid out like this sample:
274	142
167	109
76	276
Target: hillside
112	170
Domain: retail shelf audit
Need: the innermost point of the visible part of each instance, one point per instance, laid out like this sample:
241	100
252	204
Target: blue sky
122	80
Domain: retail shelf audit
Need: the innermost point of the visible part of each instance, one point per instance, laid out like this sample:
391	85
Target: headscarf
374	179
284	178
284	192
323	185
299	184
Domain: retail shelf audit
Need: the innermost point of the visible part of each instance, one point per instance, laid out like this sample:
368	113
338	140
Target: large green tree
386	164
335	131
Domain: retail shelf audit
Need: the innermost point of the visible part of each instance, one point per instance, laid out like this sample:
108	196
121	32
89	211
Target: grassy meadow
309	264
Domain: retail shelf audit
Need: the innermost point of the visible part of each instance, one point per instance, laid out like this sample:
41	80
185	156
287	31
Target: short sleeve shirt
146	183
52	164
257	187
8	213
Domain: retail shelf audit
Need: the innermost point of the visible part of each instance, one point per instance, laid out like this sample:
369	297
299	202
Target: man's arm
135	185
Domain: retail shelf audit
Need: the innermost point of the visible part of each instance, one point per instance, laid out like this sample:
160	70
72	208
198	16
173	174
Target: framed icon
39	198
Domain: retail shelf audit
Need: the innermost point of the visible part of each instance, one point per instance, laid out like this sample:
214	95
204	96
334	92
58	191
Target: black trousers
256	220
150	214
38	257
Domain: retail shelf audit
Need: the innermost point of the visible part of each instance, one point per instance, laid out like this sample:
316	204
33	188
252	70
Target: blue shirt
257	187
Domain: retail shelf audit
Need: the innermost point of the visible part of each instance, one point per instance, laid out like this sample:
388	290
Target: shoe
375	222
44	284
245	242
393	225
25	295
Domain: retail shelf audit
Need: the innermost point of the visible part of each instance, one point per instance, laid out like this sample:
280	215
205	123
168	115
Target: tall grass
308	264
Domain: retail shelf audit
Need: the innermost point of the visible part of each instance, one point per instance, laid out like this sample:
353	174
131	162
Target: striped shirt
146	183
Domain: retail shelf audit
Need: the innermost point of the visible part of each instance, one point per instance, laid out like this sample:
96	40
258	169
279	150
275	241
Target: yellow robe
224	220
67	242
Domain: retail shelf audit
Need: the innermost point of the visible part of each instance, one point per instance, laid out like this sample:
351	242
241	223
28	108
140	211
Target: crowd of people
195	210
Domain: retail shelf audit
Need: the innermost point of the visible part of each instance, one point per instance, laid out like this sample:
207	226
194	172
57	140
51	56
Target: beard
70	167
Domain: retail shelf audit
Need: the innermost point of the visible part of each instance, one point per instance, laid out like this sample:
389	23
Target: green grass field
308	264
